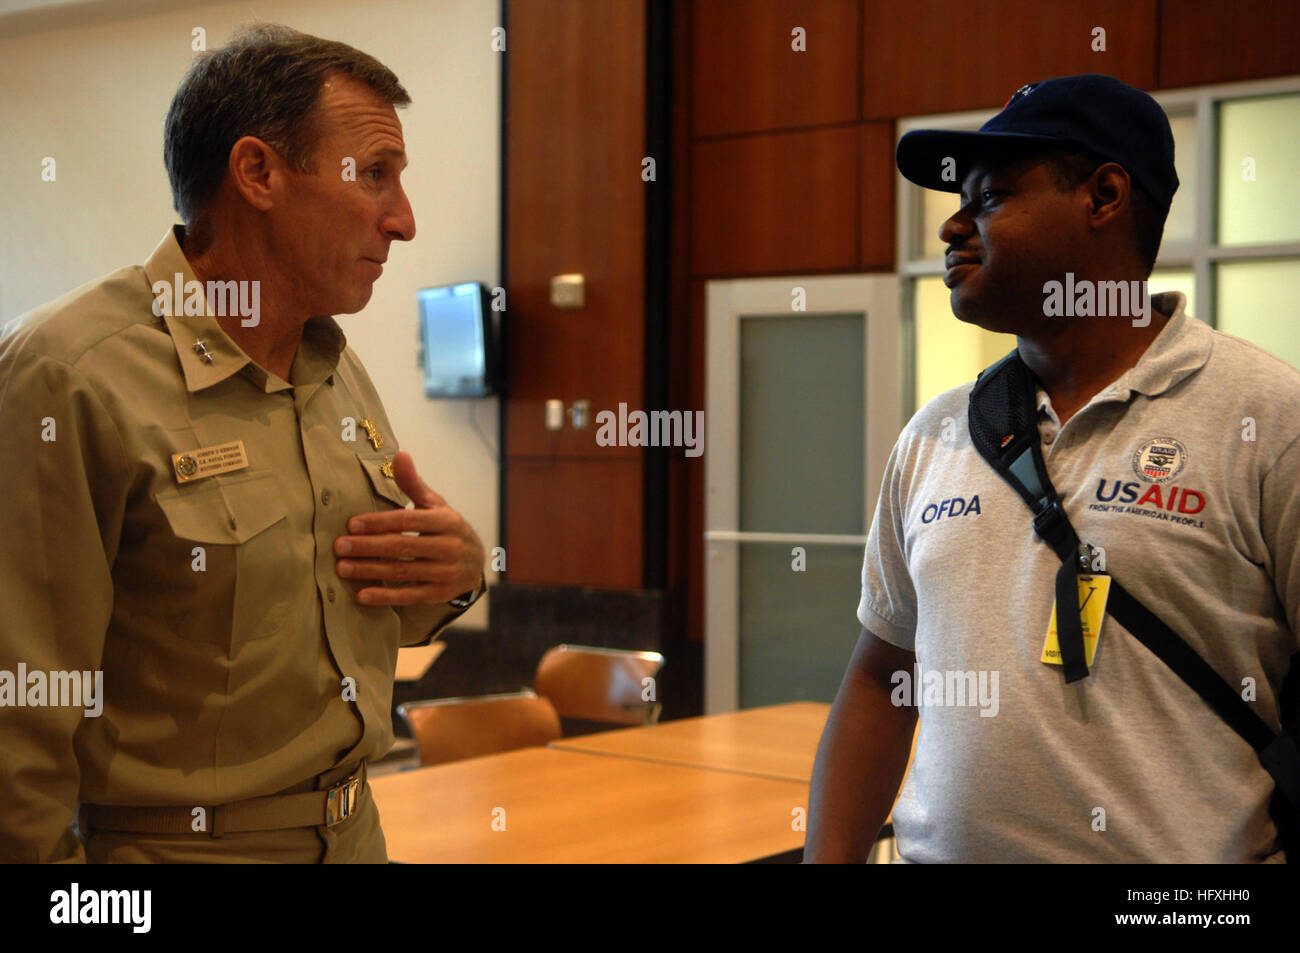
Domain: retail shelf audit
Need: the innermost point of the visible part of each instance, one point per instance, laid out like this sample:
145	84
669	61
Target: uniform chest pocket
388	494
229	582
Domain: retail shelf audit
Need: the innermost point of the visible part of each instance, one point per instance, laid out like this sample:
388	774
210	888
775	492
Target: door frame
878	297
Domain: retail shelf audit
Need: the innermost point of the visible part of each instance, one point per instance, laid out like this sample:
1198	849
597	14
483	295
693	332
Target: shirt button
329	593
325	497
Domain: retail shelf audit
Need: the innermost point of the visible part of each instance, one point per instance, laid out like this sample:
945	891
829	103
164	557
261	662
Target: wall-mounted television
458	341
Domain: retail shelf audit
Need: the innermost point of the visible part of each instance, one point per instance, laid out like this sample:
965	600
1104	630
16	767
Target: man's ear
256	171
1109	189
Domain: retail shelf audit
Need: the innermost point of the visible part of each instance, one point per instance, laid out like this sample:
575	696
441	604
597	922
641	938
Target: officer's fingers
437	519
441	561
407	595
440	547
412	485
401	570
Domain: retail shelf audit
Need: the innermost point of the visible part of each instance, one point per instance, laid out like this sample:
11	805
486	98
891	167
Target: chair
452	729
599	685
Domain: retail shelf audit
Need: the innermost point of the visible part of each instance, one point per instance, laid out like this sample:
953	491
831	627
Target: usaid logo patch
1160	460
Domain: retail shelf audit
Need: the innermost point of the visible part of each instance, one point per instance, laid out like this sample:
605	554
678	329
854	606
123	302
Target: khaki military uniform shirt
211	607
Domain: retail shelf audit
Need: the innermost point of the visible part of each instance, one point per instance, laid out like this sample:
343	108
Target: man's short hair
265	83
1071	167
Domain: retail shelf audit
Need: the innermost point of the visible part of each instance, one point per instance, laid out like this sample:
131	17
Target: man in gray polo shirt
1176	452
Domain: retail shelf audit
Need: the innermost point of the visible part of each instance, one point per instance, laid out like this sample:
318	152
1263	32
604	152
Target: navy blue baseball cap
1108	118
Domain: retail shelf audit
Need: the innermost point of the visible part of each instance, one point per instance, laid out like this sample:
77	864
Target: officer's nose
399	223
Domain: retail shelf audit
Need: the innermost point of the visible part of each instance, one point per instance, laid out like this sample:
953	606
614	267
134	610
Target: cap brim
922	153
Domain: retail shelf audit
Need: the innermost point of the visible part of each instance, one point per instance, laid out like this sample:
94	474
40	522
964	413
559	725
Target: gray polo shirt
1185	470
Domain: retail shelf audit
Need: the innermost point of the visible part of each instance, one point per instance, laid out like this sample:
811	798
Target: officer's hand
444	561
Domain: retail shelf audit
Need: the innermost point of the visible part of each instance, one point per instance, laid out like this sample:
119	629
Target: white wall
93	96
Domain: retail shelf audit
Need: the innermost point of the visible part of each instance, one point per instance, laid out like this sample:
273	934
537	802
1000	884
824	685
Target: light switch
555	415
568	292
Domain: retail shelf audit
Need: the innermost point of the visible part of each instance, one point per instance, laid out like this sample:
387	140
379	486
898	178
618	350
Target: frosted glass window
1259	154
1255	300
936	208
797	628
802	424
948	351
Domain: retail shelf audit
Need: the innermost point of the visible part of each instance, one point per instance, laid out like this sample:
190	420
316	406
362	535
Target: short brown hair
263	83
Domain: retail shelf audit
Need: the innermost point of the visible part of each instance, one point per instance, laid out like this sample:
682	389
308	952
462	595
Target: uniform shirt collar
208	355
1180	349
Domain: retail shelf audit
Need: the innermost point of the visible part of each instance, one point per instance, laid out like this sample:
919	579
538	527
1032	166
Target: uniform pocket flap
384	486
230	513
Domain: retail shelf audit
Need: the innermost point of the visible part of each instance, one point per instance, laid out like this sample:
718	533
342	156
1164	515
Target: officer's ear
256	172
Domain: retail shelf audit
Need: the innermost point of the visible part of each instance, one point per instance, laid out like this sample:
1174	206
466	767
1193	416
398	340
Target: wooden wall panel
574	522
775	203
575	203
748	78
953	55
1205	42
876	185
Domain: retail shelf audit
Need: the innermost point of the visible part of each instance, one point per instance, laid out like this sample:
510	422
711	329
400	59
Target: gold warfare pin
375	437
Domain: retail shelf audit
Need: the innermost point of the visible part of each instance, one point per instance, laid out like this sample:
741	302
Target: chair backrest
598	684
451	729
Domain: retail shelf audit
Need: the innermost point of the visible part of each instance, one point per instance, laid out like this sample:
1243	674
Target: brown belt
311	809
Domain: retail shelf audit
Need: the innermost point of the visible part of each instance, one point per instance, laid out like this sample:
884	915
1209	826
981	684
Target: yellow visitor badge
1093	592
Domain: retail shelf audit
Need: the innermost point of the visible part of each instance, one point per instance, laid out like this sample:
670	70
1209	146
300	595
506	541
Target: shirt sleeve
887	608
63	491
420	623
1280	525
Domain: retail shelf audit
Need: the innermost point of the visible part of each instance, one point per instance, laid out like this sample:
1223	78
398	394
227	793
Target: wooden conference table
779	741
413	662
719	789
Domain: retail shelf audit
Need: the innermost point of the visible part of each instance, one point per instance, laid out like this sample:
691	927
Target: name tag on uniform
1093	593
209	461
